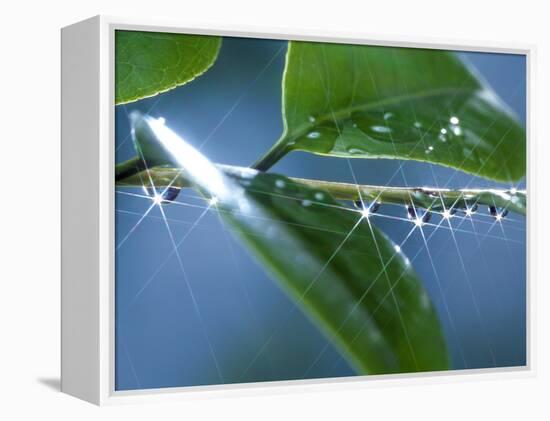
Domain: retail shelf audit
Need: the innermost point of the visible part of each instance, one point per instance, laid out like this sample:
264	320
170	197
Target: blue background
234	111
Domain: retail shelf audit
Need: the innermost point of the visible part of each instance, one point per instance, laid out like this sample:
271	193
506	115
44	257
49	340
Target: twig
424	197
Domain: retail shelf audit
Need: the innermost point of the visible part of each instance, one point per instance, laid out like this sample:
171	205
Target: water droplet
162	195
454	120
443	131
311	119
448	213
397	248
442	138
417	124
380	129
306	203
355	151
457	130
157	199
415	216
388	115
280	184
426	217
171	193
513	190
314	135
319	196
368	209
470	210
496	214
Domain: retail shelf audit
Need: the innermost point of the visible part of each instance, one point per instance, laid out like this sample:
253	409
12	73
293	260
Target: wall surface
30	228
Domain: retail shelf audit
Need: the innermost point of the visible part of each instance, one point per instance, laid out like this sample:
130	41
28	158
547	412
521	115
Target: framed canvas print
250	209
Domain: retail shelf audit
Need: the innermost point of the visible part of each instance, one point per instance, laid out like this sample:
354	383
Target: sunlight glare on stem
197	166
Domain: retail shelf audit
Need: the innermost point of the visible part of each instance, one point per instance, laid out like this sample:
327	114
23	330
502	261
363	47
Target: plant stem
128	168
277	151
425	197
436	199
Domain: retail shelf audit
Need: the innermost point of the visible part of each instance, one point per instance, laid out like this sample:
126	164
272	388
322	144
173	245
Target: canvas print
290	210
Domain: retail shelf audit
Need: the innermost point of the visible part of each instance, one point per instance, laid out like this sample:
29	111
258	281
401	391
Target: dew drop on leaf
380	129
355	151
314	135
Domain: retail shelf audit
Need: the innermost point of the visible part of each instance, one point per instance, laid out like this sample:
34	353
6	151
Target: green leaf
342	271
148	63
385	102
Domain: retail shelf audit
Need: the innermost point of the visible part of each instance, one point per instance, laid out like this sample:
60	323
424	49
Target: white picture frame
88	212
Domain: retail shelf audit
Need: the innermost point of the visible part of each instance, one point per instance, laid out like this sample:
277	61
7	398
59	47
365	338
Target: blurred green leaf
342	271
386	102
148	63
